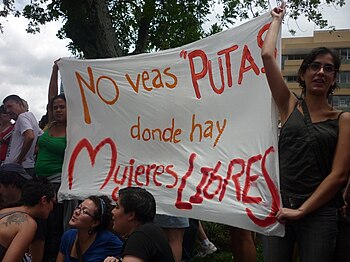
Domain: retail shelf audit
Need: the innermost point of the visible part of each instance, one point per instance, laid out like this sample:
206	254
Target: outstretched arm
283	97
53	88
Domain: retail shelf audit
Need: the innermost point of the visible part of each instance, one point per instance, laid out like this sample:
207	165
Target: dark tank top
300	173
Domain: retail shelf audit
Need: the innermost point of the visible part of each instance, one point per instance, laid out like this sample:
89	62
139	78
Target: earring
91	231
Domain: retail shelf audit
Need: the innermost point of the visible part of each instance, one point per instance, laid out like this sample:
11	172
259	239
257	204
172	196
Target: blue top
106	244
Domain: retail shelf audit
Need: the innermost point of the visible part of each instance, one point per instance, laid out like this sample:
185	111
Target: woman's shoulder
344	115
14	212
18	218
344	119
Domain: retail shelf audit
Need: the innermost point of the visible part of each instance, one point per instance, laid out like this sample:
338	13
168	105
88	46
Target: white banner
195	125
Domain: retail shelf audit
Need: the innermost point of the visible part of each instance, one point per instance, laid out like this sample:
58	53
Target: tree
111	28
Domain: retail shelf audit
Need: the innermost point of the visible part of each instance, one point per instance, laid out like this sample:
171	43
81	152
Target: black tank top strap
340	114
12	212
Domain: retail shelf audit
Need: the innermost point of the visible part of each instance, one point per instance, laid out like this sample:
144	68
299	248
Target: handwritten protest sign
194	125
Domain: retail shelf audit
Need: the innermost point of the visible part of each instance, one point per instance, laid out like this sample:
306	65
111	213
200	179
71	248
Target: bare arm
60	257
129	258
27	143
333	182
36	249
283	97
53	87
21	242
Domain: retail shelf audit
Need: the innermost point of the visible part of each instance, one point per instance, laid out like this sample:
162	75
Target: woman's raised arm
283	97
53	88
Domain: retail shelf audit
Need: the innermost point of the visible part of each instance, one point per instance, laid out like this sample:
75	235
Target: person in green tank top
52	143
51	149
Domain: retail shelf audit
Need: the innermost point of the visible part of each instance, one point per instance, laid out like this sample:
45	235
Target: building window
295	57
291	57
291	79
284	58
345	53
344	77
341	101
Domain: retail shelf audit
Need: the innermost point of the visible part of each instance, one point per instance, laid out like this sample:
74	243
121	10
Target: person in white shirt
25	134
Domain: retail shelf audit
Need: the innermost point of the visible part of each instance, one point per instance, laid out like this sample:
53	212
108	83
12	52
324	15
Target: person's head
12	179
4	116
39	194
14	106
25	104
93	214
43	121
320	66
58	108
134	205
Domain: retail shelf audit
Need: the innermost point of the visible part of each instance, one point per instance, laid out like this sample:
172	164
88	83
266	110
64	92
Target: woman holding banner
314	153
52	145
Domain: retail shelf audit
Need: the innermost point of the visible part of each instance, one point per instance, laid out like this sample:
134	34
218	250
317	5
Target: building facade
295	49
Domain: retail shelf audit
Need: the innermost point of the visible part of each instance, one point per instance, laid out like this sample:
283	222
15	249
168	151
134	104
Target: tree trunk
89	26
144	24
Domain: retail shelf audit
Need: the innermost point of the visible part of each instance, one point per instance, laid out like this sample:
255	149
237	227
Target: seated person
12	178
17	224
133	218
90	239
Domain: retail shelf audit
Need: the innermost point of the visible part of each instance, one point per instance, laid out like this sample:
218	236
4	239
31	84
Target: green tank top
50	155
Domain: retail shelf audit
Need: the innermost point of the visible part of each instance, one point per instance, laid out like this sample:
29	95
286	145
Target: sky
26	60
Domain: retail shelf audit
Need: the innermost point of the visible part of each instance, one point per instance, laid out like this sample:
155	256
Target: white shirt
25	121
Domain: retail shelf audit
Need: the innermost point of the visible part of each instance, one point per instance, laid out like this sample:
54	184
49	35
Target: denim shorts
166	221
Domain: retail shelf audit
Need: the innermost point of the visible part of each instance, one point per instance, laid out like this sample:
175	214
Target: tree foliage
110	28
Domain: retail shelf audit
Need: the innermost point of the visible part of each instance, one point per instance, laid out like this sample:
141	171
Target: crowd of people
314	153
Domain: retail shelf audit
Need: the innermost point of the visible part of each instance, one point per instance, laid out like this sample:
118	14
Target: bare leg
201	233
175	237
242	244
207	247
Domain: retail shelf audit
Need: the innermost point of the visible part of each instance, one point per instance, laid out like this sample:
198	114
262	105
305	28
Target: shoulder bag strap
313	138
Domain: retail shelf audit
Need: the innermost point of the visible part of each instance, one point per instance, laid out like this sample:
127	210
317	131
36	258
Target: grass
225	255
218	234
